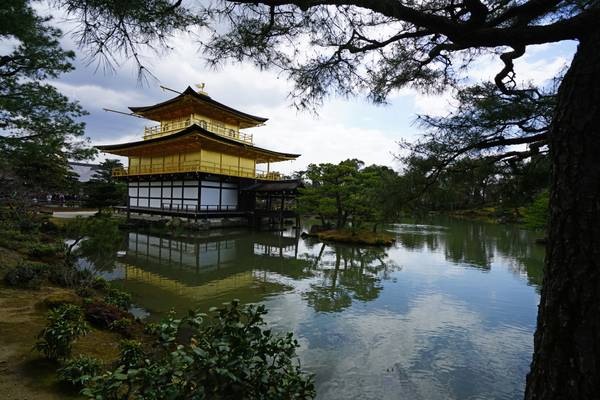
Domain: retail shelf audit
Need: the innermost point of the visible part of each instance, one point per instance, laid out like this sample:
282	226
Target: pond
447	313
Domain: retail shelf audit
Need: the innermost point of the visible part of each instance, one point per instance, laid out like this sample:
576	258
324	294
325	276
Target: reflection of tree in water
470	243
477	243
419	239
101	244
520	245
345	274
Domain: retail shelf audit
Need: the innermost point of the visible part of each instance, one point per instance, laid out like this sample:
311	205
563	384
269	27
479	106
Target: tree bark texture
566	360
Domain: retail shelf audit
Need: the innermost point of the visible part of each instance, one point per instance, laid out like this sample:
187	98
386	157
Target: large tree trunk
566	360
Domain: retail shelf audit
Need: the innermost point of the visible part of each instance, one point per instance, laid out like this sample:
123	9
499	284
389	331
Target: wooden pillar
281	210
220	191
296	246
199	199
129	198
160	239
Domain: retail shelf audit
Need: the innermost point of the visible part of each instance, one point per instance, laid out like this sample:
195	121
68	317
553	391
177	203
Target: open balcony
197	166
167	128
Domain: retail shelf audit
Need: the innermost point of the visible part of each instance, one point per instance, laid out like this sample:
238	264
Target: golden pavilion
197	161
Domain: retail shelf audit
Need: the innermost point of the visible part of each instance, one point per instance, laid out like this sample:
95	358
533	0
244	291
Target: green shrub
87	283
537	214
68	275
10	234
131	354
85	292
230	356
40	250
99	283
121	325
27	275
30	224
80	370
64	275
65	325
118	298
48	226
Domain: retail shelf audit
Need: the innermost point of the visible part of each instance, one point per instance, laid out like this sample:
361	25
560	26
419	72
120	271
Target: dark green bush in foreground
131	353
229	356
27	275
117	298
65	325
80	370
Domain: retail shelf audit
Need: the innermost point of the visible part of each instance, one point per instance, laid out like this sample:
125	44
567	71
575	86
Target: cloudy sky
344	128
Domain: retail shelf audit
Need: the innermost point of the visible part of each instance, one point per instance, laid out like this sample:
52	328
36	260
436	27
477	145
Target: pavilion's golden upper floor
192	107
168	127
196	134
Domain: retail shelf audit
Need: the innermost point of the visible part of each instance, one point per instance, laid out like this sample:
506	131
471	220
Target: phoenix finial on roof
201	87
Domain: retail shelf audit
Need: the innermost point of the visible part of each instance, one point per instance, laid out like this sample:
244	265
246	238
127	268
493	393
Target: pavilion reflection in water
163	272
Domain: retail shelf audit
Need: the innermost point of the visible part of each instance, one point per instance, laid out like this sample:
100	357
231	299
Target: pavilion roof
190	101
194	137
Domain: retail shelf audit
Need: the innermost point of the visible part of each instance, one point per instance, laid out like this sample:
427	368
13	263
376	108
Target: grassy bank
492	215
25	373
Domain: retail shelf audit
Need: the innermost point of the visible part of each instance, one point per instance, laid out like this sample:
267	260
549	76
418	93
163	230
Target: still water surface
447	313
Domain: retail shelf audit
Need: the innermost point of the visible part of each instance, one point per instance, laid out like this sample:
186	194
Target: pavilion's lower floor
211	196
184	194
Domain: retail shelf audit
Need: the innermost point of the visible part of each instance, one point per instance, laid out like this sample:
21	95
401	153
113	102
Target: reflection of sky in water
447	313
436	331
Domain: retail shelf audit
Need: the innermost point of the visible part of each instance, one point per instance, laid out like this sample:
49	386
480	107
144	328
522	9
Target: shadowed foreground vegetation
64	330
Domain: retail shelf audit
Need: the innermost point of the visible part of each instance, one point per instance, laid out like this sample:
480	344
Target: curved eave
201	98
159	143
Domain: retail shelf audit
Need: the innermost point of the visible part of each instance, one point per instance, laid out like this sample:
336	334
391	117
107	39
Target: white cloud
92	96
436	105
323	140
534	67
344	129
333	136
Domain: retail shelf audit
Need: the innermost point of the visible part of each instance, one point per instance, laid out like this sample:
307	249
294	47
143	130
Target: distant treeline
352	194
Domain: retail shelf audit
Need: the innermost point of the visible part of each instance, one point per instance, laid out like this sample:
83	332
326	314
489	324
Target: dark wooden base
255	217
